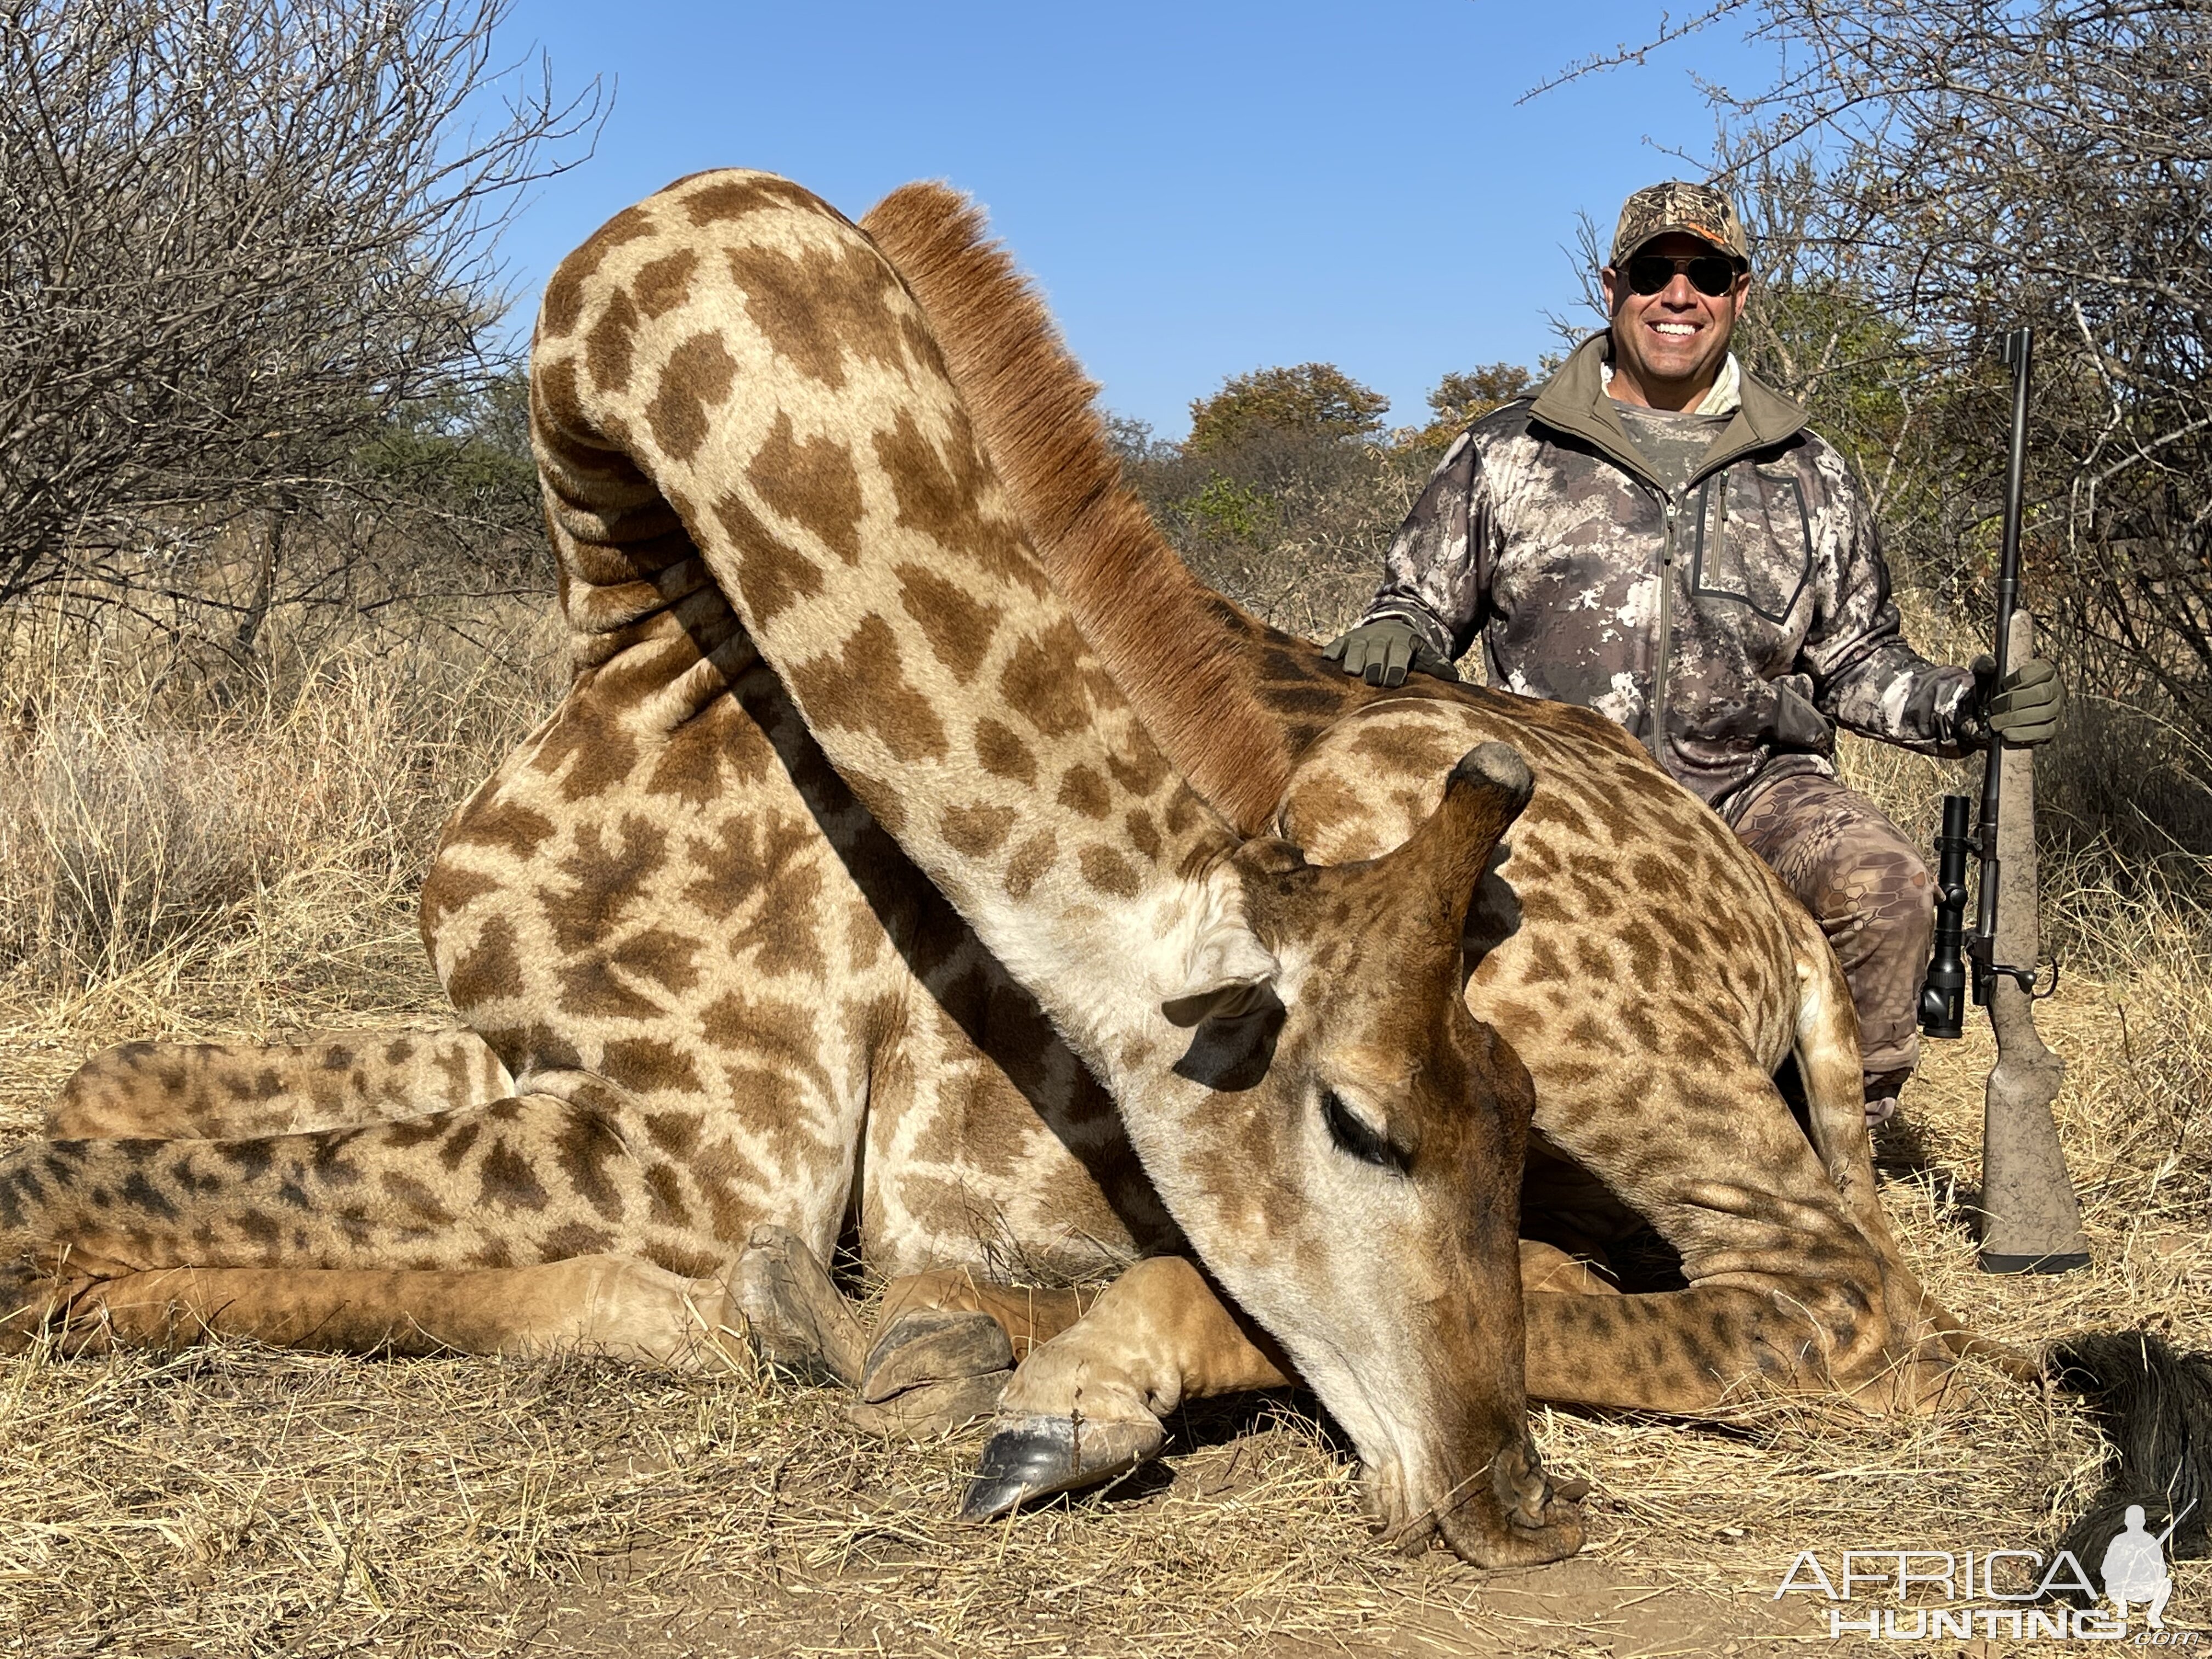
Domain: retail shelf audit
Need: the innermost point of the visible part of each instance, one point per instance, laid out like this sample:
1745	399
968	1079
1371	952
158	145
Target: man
1655	535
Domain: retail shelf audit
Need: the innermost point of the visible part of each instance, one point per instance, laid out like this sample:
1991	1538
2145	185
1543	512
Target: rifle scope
1943	992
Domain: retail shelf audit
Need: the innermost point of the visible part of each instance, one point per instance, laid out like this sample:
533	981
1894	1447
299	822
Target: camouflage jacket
1752	607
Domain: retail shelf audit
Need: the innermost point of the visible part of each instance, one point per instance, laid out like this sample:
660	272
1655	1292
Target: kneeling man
1656	536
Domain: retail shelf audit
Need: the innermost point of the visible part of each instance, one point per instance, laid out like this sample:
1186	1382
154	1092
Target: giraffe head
1358	1190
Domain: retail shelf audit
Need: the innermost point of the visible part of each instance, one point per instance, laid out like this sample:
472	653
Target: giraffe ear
1226	973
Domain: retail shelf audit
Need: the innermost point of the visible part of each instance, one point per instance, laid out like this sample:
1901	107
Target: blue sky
1203	188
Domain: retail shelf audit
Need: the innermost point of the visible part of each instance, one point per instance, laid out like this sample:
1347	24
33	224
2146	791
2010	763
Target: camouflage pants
1869	890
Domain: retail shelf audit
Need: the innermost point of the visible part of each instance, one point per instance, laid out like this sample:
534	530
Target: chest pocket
1754	539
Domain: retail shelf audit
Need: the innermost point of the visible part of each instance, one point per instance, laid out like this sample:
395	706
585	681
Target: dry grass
237	1501
179	851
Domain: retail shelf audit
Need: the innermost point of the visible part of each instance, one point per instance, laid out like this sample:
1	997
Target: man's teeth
1675	328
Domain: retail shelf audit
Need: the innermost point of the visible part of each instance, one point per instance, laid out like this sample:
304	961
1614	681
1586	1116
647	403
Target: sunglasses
1712	275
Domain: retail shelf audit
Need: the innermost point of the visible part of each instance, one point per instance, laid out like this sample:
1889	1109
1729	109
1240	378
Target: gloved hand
2024	710
1380	652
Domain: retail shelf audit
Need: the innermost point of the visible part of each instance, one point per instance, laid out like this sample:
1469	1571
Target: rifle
2030	1220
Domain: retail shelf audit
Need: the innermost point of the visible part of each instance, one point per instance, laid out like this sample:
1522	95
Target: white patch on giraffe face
1179	952
1226	971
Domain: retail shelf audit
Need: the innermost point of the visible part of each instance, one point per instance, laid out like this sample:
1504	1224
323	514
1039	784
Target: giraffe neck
1183	653
744	349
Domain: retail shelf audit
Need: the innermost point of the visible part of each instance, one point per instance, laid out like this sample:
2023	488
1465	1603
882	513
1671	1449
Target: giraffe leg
1548	1267
775	1300
1795	1283
798	1320
1027	1316
235	1091
532	1178
944	1345
612	1305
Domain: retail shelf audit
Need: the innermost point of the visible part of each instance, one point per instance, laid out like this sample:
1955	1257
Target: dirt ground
236	1501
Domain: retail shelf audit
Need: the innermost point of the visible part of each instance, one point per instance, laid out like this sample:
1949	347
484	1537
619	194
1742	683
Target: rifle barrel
2018	356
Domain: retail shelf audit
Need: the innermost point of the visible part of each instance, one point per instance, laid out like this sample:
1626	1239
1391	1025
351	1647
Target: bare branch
237	242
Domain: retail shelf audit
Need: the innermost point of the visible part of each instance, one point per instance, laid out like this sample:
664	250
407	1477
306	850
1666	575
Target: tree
1471	395
241	242
1464	397
1310	400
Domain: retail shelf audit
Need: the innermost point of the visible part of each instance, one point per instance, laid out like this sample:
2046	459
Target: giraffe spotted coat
822	940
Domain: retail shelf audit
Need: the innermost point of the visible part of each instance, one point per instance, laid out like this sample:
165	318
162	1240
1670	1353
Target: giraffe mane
1158	629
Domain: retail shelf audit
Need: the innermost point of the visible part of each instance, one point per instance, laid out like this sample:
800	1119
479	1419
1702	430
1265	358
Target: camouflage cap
1696	210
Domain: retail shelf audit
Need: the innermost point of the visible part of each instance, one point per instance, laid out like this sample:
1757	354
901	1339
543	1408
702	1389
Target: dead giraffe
1567	896
718	986
1651	1070
1650	972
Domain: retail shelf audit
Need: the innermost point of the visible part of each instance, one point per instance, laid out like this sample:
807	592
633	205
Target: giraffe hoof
798	1321
932	1346
1032	1457
931	1410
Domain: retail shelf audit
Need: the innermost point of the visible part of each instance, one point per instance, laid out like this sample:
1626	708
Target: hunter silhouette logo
2134	1568
2022	1593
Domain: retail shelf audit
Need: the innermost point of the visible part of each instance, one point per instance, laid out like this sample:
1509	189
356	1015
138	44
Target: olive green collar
1573	401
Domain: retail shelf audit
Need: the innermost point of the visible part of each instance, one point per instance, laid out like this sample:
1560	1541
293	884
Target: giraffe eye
1352	1134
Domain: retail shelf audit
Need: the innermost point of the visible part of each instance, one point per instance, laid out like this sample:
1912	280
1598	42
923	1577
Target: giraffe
1649	970
840	787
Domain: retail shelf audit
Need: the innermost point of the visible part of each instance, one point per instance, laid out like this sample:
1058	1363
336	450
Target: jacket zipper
1666	636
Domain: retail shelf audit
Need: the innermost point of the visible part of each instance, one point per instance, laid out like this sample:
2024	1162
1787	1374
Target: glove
2024	710
1381	652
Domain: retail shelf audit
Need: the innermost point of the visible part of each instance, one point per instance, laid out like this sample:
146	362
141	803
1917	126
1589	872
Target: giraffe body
725	977
841	821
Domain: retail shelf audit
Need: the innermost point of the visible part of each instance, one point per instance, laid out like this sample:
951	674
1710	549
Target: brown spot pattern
1002	753
815	304
564	295
958	627
772	574
864	688
975	831
696	378
1028	863
733	198
941	494
1039	680
1082	790
1109	871
813	484
607	348
665	283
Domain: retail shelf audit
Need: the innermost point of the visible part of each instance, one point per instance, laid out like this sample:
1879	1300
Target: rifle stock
2031	1220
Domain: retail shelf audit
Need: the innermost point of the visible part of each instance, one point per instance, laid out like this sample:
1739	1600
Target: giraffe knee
1850	1347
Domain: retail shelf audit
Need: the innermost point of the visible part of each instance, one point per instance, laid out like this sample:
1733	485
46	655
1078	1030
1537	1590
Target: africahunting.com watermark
2011	1594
